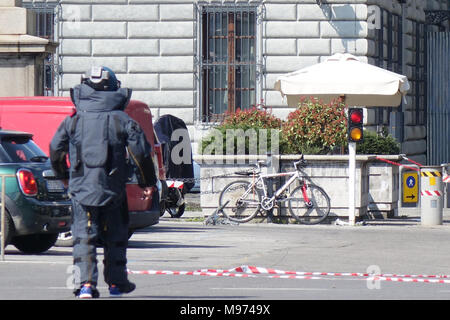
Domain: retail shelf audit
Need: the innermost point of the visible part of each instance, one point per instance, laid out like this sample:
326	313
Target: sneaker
87	291
118	290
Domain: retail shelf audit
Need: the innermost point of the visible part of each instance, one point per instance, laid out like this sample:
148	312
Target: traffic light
355	125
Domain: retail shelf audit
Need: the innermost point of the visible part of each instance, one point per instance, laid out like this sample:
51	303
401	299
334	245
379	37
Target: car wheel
176	212
65	239
9	229
35	243
162	208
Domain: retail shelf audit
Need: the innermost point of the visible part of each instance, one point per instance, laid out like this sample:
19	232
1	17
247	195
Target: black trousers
109	224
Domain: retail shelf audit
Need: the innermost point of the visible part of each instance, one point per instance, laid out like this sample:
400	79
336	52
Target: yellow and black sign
430	174
410	187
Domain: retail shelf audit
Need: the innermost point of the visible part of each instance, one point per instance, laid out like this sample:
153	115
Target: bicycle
242	200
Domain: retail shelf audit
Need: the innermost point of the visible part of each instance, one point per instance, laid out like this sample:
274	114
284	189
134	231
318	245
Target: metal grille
46	20
389	36
419	75
227	59
438	96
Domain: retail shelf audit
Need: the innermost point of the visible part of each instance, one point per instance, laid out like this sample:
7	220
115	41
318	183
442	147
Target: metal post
269	186
446	182
2	245
3	214
351	182
431	195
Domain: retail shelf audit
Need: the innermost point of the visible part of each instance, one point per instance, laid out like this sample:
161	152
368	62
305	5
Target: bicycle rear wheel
243	201
309	213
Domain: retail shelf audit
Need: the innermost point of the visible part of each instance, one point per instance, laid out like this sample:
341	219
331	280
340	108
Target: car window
4	156
20	149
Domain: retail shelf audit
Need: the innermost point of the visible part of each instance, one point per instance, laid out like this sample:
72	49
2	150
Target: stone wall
329	172
302	33
150	44
21	53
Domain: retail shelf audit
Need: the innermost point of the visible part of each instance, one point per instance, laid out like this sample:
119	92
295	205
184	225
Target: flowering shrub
314	127
251	118
243	132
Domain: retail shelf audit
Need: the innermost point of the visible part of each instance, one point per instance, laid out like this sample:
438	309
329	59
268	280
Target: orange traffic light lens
355	134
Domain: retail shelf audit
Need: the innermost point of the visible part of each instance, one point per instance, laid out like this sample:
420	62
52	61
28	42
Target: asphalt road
387	248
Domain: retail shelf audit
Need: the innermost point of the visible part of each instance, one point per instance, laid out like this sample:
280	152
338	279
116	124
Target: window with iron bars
228	60
389	46
45	28
389	37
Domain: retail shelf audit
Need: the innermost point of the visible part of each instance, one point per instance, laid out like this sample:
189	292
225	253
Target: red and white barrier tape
431	193
415	280
400	164
175	184
259	270
446	179
190	273
253	272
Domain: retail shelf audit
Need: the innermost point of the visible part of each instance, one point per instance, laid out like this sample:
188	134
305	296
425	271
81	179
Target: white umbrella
343	75
362	84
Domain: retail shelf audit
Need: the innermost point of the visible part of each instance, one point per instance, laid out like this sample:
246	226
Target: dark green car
37	205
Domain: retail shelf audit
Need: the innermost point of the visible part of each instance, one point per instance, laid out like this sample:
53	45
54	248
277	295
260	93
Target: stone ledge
326	171
25	44
10	3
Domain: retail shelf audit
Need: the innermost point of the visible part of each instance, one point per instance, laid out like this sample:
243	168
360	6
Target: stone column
21	53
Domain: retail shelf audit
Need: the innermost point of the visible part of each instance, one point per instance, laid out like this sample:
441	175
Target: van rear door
38	115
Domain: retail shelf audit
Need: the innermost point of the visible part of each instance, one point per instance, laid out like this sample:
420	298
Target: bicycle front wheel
313	212
242	201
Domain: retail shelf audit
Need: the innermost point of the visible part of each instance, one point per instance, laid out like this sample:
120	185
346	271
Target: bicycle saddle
257	165
261	163
244	173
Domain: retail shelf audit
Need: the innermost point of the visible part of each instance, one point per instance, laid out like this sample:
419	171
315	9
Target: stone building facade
169	52
22	54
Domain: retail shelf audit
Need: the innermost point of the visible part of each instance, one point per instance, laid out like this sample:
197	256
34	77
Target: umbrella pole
351	182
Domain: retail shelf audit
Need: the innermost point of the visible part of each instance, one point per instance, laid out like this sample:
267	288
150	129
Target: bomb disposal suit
97	139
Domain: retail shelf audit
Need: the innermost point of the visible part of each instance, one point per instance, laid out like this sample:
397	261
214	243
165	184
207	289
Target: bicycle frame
307	203
294	175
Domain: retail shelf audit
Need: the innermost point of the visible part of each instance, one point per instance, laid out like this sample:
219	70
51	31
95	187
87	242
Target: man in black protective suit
97	138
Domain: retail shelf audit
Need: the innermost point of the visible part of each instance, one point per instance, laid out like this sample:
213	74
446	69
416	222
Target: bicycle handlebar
260	163
301	163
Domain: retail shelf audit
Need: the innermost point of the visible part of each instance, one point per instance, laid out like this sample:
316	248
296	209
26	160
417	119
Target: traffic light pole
355	134
351	182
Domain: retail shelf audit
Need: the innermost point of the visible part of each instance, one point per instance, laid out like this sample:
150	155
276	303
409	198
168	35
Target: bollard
3	222
431	195
269	185
3	214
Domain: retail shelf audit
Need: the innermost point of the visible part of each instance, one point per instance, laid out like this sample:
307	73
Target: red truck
41	116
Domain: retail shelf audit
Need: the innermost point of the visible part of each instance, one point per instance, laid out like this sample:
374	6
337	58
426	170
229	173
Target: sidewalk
407	216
